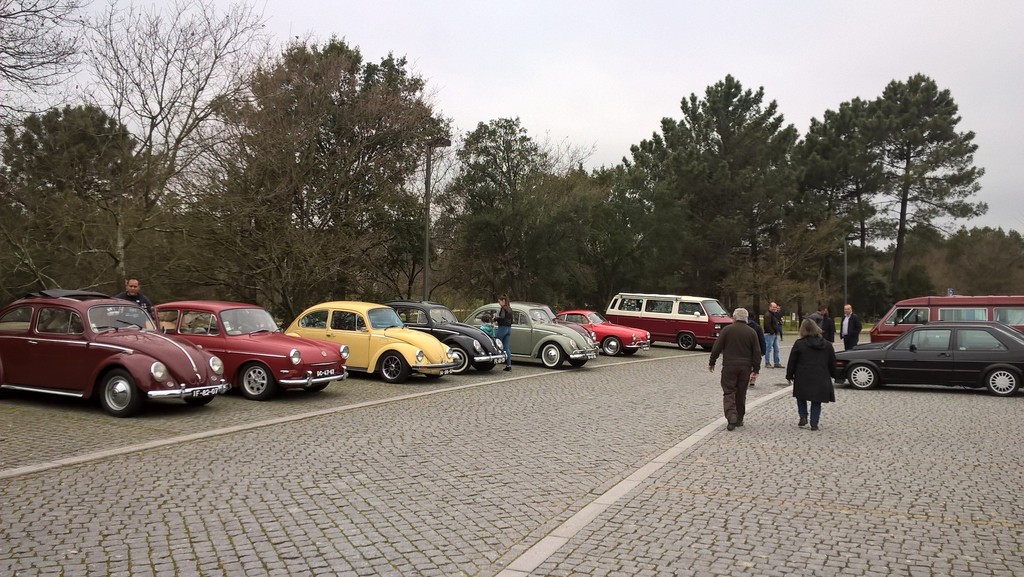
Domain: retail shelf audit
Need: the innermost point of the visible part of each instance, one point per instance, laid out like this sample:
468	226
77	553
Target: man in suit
851	327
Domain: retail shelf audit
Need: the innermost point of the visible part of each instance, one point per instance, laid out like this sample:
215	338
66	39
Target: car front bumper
640	346
310	380
435	368
495	358
188	392
579	354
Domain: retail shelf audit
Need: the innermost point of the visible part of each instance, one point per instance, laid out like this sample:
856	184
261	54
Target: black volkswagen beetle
470	345
972	354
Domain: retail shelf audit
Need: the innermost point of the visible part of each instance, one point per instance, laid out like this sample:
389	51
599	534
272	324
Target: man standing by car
850	330
737	344
133	292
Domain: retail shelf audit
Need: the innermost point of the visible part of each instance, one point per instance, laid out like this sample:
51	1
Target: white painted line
534	556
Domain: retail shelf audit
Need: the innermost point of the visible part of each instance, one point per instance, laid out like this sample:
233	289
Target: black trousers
735	380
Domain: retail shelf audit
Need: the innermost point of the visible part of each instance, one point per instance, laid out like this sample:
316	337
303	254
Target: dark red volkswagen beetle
86	344
258	358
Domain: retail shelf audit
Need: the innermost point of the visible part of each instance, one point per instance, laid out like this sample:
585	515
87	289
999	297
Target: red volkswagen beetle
614	339
86	344
258	358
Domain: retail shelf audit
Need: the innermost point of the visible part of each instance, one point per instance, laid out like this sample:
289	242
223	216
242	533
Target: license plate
204	392
446	371
325	373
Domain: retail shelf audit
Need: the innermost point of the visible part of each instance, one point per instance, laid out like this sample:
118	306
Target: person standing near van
752	323
812	368
772	336
737	344
504	322
851	327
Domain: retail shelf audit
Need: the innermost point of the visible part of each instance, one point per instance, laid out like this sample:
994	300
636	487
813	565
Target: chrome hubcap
1002	382
255	381
118	393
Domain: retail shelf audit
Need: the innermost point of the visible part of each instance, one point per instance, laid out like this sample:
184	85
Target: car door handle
33	342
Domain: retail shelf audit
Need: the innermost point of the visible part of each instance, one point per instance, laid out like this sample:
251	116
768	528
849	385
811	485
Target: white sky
602	74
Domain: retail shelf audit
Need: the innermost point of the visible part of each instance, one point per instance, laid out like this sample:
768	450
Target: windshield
442	316
714	308
130	316
384	318
248	321
595	318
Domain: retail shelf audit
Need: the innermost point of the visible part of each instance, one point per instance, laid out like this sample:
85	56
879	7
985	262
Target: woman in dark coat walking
811	370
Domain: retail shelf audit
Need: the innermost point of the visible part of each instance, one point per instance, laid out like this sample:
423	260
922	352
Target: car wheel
862	377
552	356
611	346
1002	382
483	367
393	368
577	362
198	401
686	341
461	358
256	382
629	352
119	395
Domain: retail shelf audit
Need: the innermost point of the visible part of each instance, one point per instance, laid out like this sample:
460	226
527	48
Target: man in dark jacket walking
737	343
851	327
752	323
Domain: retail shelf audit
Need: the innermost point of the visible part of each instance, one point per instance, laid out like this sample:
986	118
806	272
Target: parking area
622	467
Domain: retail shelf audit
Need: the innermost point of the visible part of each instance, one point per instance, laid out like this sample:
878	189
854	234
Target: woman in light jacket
811	370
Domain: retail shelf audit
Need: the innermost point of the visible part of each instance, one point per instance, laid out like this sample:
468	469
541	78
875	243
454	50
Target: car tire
552	356
611	346
862	377
686	341
483	367
198	401
118	394
256	382
577	362
393	368
1002	382
461	358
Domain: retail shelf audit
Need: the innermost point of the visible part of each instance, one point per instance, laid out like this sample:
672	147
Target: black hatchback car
470	345
964	354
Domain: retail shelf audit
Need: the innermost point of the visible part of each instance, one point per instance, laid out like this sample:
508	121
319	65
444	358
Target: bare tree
38	48
162	72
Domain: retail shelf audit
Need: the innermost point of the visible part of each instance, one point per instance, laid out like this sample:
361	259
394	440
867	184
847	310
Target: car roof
204	304
576	311
353	305
425	304
67	294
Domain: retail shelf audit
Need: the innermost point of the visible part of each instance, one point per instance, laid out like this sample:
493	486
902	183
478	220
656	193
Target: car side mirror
913	348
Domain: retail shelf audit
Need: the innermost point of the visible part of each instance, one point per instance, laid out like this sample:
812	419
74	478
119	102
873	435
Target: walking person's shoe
780	366
730	427
803	422
814	427
507	368
739	423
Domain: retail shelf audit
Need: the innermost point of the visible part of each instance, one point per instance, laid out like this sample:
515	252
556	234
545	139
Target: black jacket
760	333
812	368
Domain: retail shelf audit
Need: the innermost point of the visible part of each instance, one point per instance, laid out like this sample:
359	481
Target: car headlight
478	347
498	345
217	365
420	356
448	353
158	370
344	352
295	356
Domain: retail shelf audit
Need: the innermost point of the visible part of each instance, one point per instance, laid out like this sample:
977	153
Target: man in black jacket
737	344
851	327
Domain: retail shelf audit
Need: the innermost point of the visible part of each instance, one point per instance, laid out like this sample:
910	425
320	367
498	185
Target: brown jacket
737	343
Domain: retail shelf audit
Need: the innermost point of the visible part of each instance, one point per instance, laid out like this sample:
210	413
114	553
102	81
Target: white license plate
446	371
204	392
325	373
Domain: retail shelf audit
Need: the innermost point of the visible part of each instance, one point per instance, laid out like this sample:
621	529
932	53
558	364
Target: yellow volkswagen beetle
378	341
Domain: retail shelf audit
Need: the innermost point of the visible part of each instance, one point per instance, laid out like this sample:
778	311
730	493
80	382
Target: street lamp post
439	142
846	243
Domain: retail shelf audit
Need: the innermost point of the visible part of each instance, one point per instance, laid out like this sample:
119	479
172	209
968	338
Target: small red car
614	339
86	344
258	358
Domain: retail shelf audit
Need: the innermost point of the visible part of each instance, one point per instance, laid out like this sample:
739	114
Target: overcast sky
603	74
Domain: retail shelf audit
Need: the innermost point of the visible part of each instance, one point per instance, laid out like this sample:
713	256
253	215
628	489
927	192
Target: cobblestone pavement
472	479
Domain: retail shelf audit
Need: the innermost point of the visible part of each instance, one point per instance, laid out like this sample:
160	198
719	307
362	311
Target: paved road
620	468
